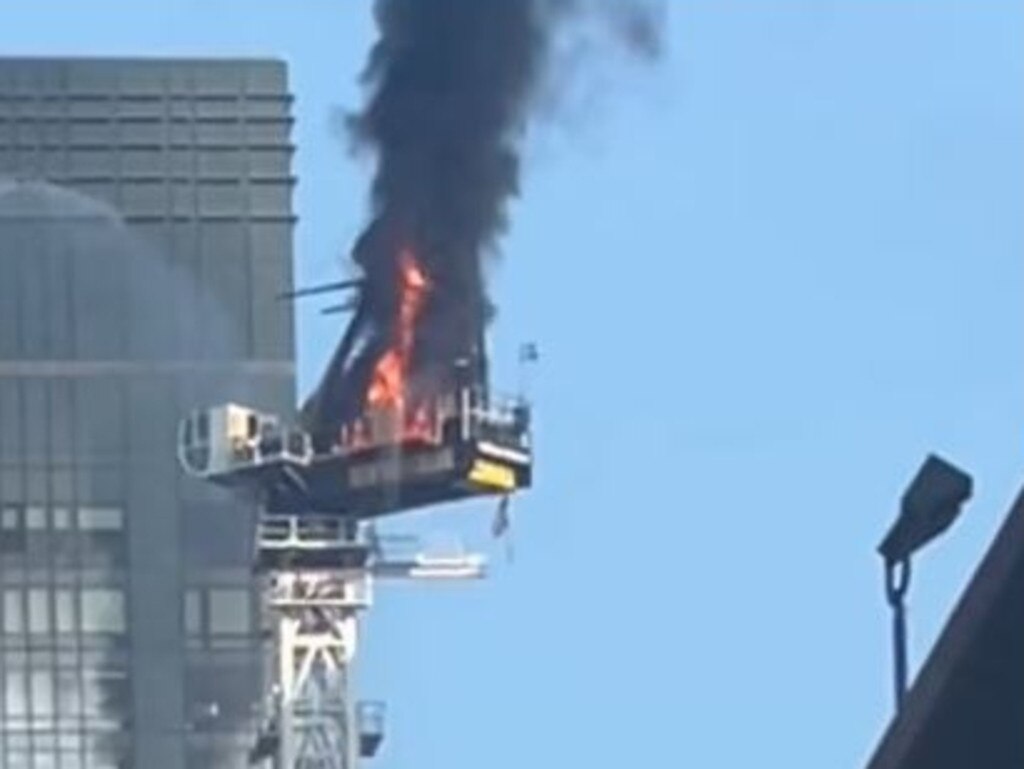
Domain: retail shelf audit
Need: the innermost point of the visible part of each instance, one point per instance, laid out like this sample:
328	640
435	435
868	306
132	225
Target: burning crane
403	416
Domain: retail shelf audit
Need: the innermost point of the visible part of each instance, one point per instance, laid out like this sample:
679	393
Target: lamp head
931	503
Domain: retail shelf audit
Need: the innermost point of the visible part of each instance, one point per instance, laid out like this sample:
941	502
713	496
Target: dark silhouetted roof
966	708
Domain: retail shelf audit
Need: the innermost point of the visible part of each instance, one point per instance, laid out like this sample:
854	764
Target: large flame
389	383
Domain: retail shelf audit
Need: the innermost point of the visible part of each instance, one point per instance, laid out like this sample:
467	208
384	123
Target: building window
15	700
230	612
61	519
102	543
104	692
42	693
14	618
38	610
103	610
64	611
35	518
100	519
12	531
69	692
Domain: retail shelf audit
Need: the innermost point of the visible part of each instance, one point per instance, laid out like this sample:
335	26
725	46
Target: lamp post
930	504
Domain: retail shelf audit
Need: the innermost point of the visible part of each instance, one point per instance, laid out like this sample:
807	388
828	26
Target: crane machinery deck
317	552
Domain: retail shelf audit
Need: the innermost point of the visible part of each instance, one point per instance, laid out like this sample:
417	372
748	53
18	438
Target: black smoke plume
450	90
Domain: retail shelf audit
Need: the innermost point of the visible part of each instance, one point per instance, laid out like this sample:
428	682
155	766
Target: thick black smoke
451	86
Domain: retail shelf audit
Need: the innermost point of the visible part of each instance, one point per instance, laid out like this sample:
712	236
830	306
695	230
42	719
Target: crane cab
454	447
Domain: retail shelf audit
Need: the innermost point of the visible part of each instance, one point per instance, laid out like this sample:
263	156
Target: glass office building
145	229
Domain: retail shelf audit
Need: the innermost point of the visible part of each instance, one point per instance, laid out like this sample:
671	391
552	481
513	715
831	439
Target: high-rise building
145	229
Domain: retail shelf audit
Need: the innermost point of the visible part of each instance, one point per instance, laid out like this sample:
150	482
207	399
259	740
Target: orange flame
388	384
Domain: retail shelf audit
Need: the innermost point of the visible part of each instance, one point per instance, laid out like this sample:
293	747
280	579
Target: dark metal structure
966	708
929	506
464	448
145	230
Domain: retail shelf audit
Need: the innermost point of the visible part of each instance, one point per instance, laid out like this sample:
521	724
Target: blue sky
766	277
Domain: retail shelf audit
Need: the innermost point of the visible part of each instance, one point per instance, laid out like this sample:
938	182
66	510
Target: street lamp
929	506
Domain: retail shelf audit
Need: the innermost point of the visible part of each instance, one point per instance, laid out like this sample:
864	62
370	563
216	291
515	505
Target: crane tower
317	552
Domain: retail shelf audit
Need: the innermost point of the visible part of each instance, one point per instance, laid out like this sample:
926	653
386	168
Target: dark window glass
14	612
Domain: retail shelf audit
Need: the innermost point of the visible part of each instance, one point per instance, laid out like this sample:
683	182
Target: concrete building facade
145	229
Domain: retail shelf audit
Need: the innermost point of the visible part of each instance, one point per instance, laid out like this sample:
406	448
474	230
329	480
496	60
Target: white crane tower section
316	611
